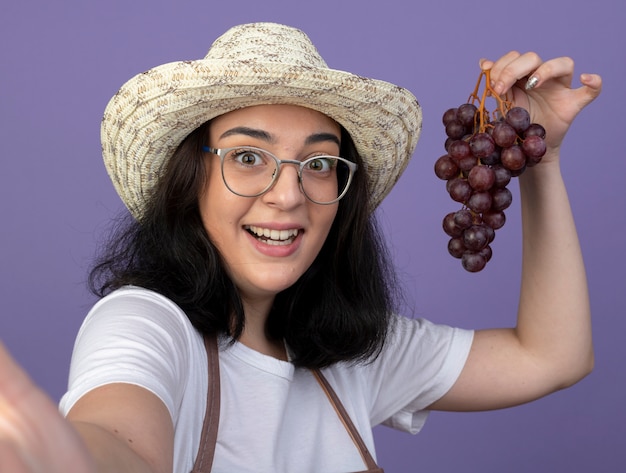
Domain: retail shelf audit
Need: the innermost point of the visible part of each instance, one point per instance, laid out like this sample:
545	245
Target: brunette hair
338	310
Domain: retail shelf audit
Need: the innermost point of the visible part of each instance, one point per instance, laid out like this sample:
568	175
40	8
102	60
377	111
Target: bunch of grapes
484	151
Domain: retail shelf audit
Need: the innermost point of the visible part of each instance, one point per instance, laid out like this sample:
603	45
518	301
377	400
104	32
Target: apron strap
208	438
369	461
206	449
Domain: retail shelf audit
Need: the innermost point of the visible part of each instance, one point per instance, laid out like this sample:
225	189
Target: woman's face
268	241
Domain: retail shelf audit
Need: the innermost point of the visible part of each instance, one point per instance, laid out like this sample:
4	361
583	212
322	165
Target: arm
116	428
126	428
551	347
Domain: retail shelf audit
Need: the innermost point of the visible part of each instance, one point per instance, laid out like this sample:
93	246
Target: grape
482	145
459	189
484	152
481	178
456	247
459	149
473	262
486	253
448	116
475	237
501	199
513	158
493	158
450	227
480	201
535	129
518	172
534	147
455	129
502	176
518	118
491	233
531	161
494	219
446	168
463	219
503	134
465	114
467	164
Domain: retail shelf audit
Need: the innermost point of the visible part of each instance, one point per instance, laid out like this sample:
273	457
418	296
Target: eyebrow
251	132
269	138
322	137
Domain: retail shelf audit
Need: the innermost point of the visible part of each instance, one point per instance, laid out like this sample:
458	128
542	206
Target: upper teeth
273	234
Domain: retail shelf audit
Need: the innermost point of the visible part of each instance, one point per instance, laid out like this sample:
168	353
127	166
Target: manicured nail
531	83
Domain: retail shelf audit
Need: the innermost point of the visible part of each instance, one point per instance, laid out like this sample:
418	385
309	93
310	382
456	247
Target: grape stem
482	114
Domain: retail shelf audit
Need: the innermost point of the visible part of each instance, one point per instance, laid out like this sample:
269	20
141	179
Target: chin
269	284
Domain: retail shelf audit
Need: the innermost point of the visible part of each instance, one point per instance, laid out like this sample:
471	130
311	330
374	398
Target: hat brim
154	111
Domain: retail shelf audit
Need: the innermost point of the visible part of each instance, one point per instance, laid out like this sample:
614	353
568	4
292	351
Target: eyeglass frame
221	152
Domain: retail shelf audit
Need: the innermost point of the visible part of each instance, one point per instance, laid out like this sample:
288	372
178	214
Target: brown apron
206	449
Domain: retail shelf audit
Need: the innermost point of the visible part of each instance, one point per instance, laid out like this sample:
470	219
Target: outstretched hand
34	437
551	100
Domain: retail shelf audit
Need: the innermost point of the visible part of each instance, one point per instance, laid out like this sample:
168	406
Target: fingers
561	69
10	460
14	382
22	404
510	68
34	437
14	388
529	68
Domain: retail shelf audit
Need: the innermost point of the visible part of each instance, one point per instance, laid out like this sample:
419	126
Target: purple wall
61	62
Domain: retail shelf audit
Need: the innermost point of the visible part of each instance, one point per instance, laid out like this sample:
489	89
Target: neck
255	334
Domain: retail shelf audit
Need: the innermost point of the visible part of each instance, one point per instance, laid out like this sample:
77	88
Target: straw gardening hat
252	64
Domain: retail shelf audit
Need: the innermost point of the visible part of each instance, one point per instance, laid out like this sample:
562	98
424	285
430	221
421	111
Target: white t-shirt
273	417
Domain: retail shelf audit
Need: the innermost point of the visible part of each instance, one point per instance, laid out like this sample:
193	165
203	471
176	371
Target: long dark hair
339	310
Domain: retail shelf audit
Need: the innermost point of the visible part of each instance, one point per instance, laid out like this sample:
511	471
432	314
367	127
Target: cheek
212	203
217	212
324	218
221	212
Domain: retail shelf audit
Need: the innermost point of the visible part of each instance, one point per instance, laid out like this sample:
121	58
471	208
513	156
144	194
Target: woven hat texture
252	64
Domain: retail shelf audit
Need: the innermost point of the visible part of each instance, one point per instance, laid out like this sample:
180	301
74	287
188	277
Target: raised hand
544	89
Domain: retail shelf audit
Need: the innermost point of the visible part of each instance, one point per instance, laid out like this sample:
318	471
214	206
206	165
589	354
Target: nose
286	192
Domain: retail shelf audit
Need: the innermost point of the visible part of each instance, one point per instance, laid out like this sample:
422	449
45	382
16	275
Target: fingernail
531	83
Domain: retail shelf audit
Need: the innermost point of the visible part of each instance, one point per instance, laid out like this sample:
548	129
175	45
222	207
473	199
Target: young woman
247	319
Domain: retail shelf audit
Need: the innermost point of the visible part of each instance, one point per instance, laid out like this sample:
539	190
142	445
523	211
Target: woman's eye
319	164
247	157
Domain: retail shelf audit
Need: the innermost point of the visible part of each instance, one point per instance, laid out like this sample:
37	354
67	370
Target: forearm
554	316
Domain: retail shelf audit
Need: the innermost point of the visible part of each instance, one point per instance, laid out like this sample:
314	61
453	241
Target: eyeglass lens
252	171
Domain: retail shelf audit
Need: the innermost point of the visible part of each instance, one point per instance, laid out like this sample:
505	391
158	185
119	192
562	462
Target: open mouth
272	237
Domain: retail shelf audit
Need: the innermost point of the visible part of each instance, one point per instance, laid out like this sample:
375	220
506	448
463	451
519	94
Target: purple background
60	62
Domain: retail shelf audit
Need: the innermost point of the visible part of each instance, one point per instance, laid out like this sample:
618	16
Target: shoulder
423	348
423	334
418	363
137	336
138	324
135	299
137	308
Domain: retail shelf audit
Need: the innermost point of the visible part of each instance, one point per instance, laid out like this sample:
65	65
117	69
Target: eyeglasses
250	172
